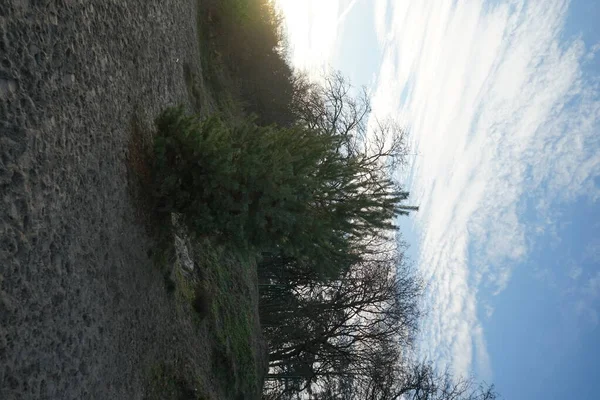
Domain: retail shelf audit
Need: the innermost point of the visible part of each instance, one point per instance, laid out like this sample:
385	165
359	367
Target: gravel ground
82	311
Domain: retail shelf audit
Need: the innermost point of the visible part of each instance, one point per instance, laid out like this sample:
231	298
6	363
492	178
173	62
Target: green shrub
246	183
202	302
283	189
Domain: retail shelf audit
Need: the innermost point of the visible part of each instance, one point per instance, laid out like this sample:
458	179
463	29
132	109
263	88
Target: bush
245	183
287	190
248	38
193	170
202	301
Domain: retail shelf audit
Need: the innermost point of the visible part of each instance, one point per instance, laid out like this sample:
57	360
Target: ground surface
83	312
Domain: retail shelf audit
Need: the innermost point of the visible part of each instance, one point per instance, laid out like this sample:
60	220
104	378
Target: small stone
7	86
103	63
68	79
33	49
13	212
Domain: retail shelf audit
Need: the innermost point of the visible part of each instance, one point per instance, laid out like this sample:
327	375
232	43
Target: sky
502	102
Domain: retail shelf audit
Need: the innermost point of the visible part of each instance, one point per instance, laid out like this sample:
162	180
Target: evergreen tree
287	190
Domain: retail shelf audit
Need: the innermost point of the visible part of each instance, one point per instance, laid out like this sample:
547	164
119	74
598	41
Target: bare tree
340	322
335	107
387	377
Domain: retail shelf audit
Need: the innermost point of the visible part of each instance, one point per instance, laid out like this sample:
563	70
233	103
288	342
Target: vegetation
232	318
297	191
167	383
288	184
244	41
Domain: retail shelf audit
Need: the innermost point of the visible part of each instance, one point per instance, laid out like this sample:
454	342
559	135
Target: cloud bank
506	123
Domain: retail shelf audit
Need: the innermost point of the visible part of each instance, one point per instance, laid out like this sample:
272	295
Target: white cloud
593	51
312	27
380	12
346	11
501	112
574	271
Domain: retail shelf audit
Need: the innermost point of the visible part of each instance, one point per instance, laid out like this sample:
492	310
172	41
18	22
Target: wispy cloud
584	291
346	11
587	299
502	114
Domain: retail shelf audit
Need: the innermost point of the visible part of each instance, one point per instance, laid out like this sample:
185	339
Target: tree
340	322
333	108
387	377
293	191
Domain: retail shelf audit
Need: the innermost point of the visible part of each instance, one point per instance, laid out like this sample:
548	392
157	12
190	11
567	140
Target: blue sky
502	99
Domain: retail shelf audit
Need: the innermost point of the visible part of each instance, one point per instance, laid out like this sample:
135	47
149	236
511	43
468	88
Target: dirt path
82	311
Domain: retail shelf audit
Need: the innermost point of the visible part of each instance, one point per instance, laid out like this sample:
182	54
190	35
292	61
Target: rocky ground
83	313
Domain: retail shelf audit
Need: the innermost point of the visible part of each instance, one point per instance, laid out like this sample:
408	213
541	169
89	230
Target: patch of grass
205	89
195	295
215	84
170	284
219	82
232	318
184	285
202	302
223	297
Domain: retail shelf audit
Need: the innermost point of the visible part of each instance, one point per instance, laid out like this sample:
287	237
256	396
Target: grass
228	274
227	291
212	88
221	299
185	286
224	286
193	85
233	317
229	297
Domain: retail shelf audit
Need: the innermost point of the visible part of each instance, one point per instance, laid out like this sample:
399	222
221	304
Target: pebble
7	86
68	79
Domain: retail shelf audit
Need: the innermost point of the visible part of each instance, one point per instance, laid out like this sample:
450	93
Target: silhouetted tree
341	321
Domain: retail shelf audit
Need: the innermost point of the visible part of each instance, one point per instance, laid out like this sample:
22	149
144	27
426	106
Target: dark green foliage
167	383
287	190
193	170
202	302
169	283
247	37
